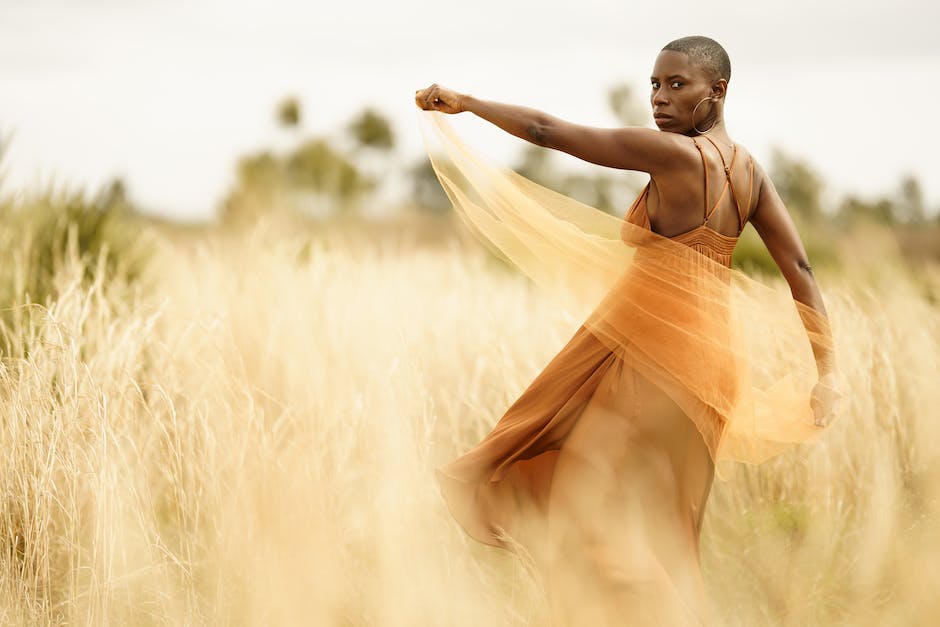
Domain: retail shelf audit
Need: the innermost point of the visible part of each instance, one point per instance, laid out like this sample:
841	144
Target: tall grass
250	442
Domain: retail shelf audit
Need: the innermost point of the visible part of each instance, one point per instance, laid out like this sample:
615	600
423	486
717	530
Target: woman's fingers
429	97
437	98
429	93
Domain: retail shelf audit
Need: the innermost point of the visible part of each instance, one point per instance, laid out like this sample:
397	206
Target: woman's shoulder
745	161
755	169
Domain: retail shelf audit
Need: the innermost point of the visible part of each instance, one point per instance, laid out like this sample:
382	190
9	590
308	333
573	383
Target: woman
602	468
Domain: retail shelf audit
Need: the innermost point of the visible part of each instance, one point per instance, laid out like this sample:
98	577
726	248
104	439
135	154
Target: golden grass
251	441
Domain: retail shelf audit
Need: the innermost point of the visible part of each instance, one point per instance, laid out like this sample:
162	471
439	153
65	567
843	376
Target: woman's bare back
677	200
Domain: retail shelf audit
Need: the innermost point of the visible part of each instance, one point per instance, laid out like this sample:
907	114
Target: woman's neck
717	132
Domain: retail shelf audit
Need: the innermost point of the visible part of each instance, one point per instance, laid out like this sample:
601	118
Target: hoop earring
693	118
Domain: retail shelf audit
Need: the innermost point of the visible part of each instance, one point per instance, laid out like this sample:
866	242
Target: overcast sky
168	93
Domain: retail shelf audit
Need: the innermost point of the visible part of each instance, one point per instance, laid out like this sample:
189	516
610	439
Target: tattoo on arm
535	134
804	265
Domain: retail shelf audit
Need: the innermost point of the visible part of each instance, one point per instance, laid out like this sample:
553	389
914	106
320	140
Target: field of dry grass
249	441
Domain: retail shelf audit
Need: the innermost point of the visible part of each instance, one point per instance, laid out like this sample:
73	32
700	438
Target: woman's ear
719	88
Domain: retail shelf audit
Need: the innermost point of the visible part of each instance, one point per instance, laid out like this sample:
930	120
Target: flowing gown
601	469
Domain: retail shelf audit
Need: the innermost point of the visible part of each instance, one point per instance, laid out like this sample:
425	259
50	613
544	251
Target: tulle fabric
736	353
682	365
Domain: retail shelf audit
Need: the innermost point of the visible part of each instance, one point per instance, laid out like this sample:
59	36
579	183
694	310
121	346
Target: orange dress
601	469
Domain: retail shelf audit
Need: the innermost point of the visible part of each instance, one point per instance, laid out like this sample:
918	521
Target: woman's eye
655	85
676	84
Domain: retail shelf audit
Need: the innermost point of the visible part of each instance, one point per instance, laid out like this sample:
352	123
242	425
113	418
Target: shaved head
705	53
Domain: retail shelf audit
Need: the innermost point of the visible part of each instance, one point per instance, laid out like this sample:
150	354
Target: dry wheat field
248	440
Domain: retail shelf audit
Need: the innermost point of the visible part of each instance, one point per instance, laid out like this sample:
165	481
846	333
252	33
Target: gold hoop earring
693	117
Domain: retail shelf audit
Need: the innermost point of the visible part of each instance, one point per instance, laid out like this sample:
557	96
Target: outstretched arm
626	148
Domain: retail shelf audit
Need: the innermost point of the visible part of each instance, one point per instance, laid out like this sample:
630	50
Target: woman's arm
775	227
626	148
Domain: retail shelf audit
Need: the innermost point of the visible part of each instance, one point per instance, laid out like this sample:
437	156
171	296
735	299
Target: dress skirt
602	479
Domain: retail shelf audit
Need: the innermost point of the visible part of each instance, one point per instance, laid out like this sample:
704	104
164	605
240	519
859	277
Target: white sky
168	93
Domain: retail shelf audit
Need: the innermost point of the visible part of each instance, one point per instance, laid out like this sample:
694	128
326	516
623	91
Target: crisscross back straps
705	170
728	168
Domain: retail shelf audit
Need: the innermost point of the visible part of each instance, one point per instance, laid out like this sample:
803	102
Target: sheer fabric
681	367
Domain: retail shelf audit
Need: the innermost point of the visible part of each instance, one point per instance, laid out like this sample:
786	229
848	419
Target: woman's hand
437	98
824	399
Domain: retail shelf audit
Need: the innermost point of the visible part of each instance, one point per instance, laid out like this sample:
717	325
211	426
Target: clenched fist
437	98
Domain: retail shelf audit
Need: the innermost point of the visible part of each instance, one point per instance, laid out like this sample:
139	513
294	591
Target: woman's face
677	86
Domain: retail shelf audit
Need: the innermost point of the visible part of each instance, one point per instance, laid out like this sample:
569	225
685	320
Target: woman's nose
658	98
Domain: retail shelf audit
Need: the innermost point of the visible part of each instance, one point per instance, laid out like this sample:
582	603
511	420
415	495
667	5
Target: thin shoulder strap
728	168
705	170
750	190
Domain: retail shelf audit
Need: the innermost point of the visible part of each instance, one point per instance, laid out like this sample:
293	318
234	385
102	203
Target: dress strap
750	190
728	168
705	170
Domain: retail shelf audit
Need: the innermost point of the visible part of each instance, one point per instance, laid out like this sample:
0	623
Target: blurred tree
370	129
426	190
853	209
373	145
312	179
259	176
626	106
113	197
325	181
610	193
536	164
594	190
317	167
288	112
910	206
800	187
260	171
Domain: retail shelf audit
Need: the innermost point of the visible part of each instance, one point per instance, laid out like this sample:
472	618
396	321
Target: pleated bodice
702	238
